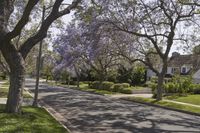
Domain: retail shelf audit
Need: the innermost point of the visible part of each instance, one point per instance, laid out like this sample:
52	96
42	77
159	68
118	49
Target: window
183	70
173	70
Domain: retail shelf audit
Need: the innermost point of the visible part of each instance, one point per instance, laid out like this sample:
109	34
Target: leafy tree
155	25
196	50
134	75
15	57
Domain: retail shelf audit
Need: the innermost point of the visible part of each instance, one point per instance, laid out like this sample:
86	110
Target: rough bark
15	96
17	71
160	87
161	77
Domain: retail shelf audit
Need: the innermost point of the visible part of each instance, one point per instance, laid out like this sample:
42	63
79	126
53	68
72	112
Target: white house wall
196	77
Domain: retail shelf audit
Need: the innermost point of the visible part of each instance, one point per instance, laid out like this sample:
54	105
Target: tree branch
41	34
23	21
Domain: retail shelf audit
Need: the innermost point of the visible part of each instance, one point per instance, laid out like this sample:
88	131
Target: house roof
180	60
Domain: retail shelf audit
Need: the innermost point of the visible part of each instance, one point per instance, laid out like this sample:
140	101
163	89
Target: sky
66	19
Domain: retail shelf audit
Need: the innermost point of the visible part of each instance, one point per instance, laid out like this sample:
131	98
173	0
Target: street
91	113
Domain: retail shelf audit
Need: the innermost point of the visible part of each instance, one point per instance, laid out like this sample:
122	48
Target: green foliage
154	79
133	76
102	85
138	76
126	90
32	120
110	86
178	84
119	87
106	85
94	84
196	50
196	89
65	76
171	87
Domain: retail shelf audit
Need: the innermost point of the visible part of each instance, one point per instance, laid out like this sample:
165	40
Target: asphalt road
91	113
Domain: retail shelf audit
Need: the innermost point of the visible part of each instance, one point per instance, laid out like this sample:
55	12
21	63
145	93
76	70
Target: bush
196	89
185	85
154	79
126	90
110	86
153	86
118	87
106	85
170	88
125	85
94	84
103	86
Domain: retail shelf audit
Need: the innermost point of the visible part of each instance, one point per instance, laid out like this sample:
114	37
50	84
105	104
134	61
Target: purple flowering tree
89	46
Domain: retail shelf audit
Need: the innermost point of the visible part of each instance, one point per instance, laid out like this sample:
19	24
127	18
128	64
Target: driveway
91	113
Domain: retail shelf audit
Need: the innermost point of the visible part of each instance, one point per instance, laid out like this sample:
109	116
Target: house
183	65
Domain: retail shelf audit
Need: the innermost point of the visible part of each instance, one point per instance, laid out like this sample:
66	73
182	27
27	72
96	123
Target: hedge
110	86
119	87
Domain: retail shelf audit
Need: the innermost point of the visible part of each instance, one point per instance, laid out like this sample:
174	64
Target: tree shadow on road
91	113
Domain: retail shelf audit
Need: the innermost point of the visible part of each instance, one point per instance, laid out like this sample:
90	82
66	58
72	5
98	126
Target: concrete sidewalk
131	95
182	103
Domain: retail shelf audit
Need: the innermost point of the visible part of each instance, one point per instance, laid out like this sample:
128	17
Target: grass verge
192	99
4	91
32	120
165	104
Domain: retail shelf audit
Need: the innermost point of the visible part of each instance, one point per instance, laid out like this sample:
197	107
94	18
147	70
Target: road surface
91	113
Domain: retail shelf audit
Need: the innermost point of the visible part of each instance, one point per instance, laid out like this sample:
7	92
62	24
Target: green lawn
192	99
4	91
32	120
166	104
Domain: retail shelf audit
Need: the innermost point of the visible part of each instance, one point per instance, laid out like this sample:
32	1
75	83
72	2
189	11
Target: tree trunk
17	70
15	95
160	87
161	77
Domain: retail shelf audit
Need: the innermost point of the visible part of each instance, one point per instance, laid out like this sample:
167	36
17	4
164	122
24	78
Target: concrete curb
163	107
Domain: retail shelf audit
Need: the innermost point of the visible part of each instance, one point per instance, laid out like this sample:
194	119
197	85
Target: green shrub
184	85
153	86
191	88
107	85
103	86
170	87
118	87
94	85
154	79
196	89
126	90
125	85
